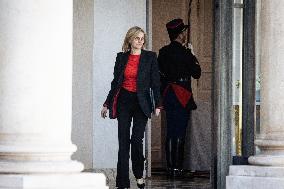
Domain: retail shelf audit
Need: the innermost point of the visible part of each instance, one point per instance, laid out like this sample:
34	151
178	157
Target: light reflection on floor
162	182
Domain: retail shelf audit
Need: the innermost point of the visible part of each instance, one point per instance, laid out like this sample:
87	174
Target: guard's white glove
189	45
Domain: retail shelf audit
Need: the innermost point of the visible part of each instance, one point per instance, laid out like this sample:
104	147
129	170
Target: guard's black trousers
177	122
128	108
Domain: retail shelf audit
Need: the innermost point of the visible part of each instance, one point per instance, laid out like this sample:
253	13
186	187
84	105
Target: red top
130	73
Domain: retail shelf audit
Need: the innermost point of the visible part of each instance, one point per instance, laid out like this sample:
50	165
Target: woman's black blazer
148	77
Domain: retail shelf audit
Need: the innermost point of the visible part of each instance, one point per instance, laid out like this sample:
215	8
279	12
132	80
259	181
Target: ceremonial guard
177	66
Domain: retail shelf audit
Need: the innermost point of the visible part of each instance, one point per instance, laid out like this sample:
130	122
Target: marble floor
162	182
159	180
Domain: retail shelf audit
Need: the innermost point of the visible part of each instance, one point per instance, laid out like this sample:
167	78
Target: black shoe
142	186
140	183
176	173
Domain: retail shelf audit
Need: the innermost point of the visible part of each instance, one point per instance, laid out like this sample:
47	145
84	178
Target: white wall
112	19
82	105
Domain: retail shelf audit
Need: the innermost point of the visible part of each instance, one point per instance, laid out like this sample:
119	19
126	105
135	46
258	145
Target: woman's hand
104	112
157	111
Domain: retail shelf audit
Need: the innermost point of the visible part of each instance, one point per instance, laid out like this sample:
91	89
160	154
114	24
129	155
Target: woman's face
138	41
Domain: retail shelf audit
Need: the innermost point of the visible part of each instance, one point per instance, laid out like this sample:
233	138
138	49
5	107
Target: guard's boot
179	157
170	150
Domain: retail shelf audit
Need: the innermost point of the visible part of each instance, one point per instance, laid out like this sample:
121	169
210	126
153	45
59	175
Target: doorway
199	13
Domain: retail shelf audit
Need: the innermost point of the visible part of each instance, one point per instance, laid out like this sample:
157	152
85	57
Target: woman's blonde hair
129	37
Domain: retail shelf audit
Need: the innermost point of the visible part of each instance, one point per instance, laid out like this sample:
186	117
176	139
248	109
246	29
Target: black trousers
128	108
177	123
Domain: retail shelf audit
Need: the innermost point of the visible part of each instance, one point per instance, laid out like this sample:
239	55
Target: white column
271	138
267	169
36	97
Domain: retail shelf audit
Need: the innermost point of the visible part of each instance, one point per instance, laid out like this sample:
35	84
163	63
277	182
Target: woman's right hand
104	112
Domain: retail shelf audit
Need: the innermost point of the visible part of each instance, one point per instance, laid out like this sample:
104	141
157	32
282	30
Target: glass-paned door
237	77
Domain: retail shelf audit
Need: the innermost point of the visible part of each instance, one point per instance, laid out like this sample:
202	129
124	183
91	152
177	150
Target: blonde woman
135	76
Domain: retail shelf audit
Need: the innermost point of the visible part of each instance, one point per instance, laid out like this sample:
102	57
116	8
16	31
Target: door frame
148	143
222	92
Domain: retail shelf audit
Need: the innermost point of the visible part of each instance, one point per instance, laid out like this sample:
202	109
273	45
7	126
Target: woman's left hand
157	111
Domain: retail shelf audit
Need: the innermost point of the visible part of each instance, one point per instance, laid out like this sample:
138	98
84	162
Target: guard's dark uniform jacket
177	65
